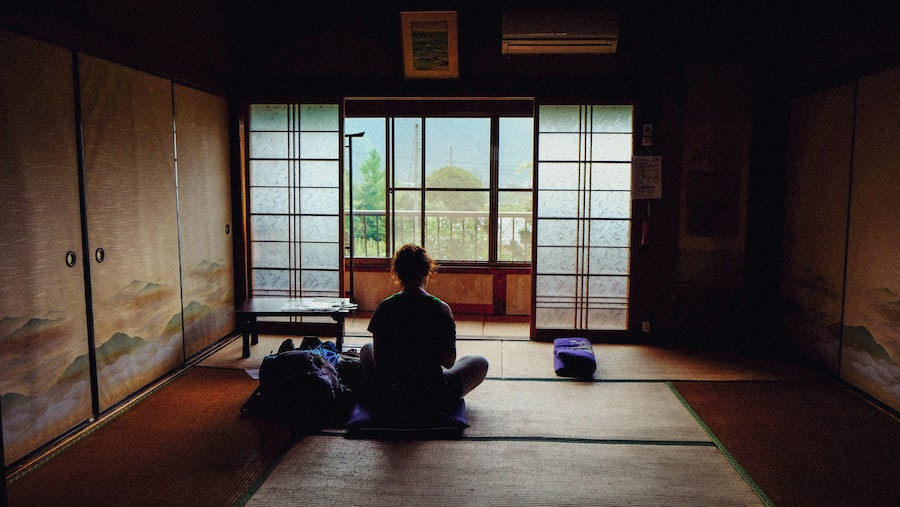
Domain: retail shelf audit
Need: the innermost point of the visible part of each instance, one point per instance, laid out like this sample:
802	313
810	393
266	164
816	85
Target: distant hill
860	338
33	326
10	324
194	311
117	346
207	267
12	400
149	288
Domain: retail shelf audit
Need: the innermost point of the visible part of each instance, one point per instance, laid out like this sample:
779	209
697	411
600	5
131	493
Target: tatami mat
330	470
465	329
517	359
507	330
622	437
469	328
644	411
229	356
646	363
354	326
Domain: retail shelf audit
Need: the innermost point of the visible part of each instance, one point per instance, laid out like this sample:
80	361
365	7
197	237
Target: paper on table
319	305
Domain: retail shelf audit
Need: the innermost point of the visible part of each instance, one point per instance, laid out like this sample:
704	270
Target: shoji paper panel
131	209
44	377
583	225
204	217
870	352
295	240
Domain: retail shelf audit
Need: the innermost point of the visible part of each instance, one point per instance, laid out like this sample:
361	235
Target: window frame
423	110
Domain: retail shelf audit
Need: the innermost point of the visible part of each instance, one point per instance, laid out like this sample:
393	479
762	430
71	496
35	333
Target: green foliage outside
369	231
461	234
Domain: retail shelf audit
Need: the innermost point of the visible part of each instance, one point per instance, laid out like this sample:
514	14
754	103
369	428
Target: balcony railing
452	235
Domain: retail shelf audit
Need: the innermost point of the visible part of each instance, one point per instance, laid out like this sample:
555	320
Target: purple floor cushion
573	357
364	423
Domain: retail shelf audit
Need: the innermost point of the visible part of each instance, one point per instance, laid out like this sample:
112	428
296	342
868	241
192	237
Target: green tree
369	195
452	177
457	237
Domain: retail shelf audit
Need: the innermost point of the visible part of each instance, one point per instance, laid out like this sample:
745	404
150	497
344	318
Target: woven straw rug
185	444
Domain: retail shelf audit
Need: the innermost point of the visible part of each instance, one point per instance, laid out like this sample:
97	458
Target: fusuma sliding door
582	220
84	326
129	156
870	345
44	375
204	217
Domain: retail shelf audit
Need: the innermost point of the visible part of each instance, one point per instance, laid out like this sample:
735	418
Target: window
460	186
514	196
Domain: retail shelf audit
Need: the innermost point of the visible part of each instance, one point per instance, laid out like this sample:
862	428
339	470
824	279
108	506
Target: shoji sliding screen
582	219
295	205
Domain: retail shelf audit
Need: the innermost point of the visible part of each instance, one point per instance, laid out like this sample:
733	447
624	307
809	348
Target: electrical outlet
645	326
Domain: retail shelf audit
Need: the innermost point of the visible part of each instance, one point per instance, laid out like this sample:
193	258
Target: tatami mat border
718	443
559	440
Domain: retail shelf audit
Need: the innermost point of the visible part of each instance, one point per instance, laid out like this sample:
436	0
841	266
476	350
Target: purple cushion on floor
573	357
364	423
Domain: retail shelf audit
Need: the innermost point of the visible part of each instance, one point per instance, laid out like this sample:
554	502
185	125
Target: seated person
413	376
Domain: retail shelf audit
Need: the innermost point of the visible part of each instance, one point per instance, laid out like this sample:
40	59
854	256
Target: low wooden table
247	316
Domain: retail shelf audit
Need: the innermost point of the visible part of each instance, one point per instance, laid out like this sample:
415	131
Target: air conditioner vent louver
559	32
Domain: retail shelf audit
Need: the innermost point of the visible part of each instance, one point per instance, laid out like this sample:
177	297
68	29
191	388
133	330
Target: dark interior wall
272	48
292	47
184	41
286	48
354	48
292	50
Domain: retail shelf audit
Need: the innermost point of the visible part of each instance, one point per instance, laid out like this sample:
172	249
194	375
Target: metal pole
3	495
350	197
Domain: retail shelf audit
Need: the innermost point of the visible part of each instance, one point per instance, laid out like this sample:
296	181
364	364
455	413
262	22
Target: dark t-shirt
413	330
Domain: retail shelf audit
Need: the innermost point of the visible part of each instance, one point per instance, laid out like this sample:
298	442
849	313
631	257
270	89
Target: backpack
298	388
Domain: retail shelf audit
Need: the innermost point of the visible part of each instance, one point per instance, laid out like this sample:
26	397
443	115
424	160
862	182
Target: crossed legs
470	370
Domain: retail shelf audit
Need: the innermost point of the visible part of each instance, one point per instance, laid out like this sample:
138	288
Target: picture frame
430	44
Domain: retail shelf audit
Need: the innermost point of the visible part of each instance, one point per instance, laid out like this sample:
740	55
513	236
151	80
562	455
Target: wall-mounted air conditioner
559	32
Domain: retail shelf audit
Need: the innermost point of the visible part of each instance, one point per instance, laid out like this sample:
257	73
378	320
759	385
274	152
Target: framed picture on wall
430	44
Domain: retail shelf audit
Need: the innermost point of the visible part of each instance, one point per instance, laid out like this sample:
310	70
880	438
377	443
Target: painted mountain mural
871	353
22	338
141	309
814	305
119	345
32	409
45	389
208	291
